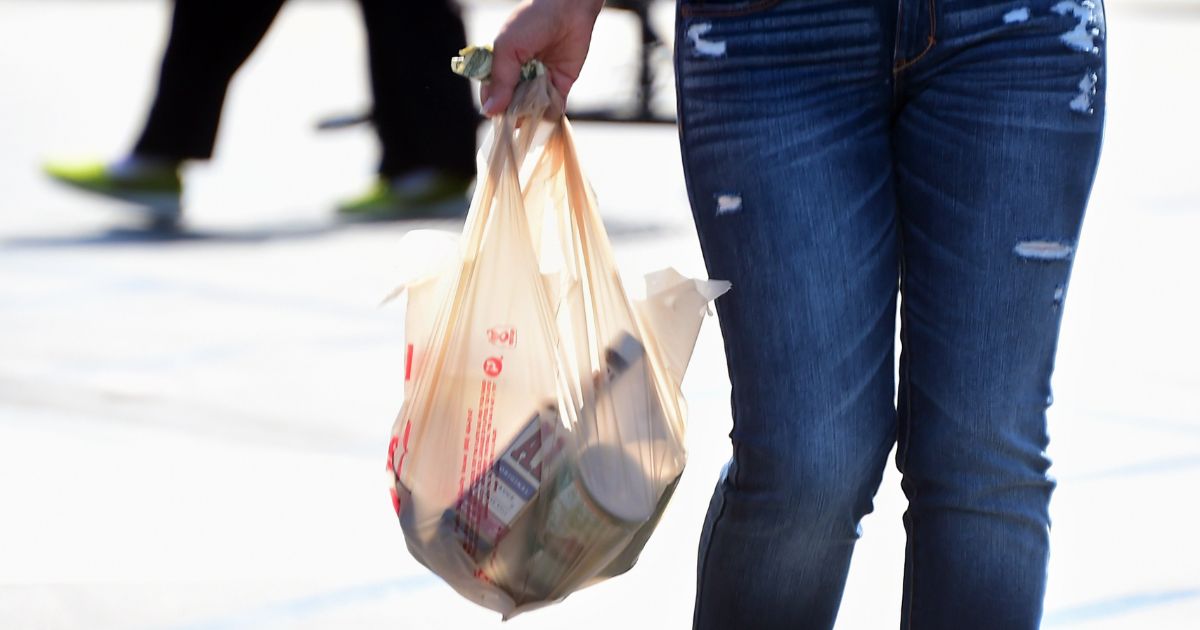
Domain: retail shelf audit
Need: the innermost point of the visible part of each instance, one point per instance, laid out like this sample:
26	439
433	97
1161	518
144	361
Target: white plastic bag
542	431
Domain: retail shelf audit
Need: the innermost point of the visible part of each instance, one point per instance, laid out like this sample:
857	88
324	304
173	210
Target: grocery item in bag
486	512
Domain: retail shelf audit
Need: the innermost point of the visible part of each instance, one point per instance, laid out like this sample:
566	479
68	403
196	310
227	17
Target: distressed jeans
843	158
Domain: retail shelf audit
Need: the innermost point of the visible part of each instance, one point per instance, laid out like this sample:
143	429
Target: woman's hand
555	32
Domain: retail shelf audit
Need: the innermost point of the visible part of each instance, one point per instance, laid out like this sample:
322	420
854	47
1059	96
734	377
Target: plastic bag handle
534	101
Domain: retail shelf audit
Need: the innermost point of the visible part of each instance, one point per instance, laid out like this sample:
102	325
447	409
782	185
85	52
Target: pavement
193	426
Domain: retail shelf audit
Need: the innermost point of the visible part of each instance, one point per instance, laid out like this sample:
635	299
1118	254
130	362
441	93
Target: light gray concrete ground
192	430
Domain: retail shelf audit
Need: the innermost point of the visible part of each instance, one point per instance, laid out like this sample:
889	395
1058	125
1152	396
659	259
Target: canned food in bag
587	512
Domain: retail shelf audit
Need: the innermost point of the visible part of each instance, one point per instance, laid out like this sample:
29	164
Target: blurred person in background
424	115
839	154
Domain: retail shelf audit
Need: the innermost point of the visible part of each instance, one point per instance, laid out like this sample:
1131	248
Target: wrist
588	8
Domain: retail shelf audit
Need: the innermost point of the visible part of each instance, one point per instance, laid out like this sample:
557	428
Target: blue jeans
842	153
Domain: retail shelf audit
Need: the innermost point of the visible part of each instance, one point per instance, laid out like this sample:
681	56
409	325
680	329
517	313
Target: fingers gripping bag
542	430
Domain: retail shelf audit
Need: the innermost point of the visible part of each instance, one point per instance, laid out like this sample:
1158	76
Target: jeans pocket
724	8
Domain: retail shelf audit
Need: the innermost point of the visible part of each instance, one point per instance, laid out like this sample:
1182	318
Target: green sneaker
423	194
152	185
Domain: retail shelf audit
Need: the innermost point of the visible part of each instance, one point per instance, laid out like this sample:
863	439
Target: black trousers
423	113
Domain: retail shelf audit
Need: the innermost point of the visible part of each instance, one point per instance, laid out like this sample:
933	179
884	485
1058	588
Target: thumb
497	93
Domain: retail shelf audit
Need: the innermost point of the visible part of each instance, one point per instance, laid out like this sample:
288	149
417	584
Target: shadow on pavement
1112	607
167	234
624	231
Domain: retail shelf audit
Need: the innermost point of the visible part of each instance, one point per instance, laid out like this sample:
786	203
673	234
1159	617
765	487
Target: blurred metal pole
650	42
643	110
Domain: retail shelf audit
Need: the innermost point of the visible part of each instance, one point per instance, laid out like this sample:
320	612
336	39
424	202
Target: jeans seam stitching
704	559
755	7
932	39
707	551
899	29
906	348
